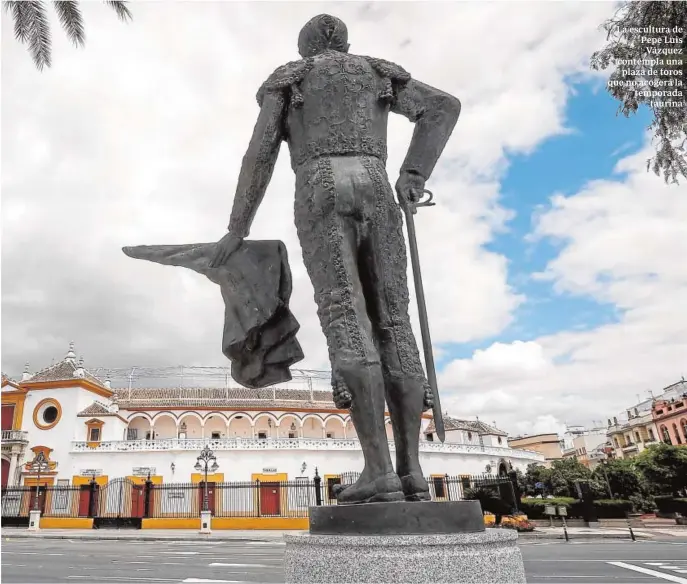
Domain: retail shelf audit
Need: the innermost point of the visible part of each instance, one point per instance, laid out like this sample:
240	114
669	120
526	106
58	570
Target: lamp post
206	462
608	484
38	464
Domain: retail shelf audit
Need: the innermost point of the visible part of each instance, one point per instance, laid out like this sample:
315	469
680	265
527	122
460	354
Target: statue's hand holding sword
411	197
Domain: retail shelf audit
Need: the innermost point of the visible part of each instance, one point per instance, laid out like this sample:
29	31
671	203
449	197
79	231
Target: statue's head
322	33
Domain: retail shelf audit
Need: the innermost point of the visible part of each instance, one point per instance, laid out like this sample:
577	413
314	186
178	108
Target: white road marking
243	565
649	572
205	580
125	578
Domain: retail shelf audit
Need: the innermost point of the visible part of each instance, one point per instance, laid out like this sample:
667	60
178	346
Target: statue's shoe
385	488
415	488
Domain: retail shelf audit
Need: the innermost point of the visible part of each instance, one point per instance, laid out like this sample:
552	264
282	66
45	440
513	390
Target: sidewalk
146	534
276	536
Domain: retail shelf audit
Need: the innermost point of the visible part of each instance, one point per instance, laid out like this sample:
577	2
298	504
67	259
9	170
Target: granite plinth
397	518
488	556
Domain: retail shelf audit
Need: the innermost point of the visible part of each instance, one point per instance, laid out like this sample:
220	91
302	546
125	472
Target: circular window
47	414
50	414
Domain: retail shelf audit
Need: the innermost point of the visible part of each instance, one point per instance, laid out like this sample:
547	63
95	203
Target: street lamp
608	484
209	463
38	464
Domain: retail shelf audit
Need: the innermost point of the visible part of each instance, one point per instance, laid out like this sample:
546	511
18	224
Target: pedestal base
34	520
205	522
488	556
397	518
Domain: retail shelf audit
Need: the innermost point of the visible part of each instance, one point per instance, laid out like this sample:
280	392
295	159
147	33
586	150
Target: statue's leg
384	274
329	231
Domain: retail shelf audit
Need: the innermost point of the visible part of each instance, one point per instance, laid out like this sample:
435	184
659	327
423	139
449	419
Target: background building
638	427
550	446
87	428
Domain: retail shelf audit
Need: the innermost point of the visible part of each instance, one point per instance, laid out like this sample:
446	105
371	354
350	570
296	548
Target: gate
118	505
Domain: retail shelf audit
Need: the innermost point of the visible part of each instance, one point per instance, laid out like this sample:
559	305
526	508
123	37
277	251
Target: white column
12	477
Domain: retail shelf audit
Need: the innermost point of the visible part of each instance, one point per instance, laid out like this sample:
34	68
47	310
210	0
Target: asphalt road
45	560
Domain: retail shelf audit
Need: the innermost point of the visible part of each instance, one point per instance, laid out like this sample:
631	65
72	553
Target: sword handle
420	203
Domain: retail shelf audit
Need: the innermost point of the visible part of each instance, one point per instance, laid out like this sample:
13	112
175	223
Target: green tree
31	25
537	474
628	52
624	479
664	467
567	471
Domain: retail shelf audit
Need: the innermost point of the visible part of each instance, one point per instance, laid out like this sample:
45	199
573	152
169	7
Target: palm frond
20	16
70	17
121	8
39	33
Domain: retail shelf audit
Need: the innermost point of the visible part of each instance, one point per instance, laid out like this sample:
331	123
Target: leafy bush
490	502
605	508
612	508
672	505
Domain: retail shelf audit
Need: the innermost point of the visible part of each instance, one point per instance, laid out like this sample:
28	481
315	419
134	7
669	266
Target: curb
581	536
99	537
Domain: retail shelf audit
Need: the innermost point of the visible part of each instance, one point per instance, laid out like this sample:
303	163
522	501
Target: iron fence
121	498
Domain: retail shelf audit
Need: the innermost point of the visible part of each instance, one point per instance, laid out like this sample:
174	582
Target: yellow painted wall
171	523
66	523
198	477
155	479
276	477
77	481
295	523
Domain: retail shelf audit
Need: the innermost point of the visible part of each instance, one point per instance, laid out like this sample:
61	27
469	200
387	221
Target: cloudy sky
554	264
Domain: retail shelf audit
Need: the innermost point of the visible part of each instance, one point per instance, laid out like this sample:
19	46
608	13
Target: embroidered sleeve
258	164
434	114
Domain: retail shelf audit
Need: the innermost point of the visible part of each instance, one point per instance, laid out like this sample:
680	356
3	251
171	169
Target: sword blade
424	322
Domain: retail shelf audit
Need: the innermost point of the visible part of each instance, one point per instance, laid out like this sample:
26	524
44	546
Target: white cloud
622	242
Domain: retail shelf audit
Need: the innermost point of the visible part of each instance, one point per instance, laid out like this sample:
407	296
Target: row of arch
665	435
190	424
674	437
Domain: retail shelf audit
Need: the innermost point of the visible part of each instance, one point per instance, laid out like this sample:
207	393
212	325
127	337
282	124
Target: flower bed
517	522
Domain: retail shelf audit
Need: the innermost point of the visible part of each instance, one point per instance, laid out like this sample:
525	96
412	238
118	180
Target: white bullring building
86	427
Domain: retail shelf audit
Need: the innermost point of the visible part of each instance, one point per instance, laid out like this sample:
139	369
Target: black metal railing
122	498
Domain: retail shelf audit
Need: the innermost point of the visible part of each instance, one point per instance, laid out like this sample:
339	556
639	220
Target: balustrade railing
15	436
237	443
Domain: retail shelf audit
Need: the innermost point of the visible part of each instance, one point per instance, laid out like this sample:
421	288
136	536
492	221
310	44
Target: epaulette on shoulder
390	70
285	77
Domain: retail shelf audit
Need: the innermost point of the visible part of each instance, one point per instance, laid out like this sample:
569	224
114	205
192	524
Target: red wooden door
5	472
84	500
269	498
41	501
137	501
211	496
7	416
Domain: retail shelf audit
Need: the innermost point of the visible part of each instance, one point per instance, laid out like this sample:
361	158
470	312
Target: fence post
318	493
517	494
91	498
146	497
448	488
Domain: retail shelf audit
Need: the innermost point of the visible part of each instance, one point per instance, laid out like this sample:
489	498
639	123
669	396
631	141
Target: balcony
15	437
196	444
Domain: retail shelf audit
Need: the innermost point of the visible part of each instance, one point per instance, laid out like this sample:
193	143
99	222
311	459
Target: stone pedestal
206	522
34	520
487	556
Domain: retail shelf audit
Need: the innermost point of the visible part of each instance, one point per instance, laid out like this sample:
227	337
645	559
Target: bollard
565	530
318	492
629	526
